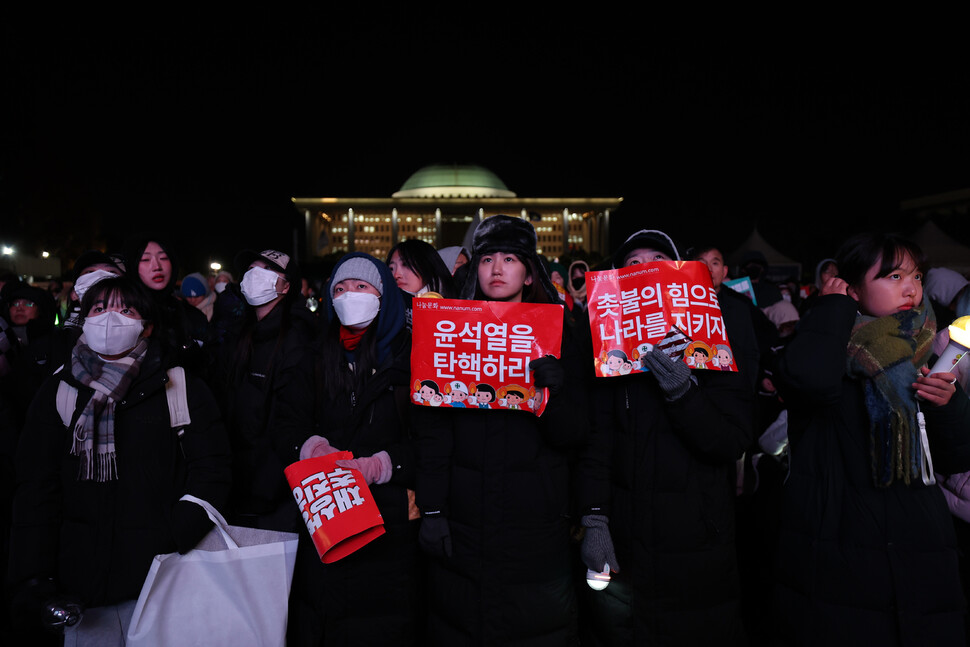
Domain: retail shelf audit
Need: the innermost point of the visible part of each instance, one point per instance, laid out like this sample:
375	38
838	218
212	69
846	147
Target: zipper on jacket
353	399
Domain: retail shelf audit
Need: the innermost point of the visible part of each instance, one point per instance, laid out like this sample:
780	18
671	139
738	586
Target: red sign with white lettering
476	354
670	305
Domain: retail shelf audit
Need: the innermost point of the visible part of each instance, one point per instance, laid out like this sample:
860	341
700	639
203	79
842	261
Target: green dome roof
454	181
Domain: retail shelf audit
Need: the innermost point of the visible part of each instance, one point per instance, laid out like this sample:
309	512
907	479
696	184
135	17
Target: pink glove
316	446
376	469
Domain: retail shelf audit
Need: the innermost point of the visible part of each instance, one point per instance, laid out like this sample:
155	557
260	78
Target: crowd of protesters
819	494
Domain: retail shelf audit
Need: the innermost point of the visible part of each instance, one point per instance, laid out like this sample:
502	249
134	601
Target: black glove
672	375
597	547
549	373
435	535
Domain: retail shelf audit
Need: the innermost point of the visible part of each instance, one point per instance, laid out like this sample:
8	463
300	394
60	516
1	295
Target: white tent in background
780	266
942	250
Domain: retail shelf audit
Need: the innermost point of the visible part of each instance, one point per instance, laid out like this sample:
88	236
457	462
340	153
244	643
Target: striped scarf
94	439
886	353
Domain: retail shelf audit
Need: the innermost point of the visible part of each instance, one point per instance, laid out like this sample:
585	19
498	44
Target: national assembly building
441	204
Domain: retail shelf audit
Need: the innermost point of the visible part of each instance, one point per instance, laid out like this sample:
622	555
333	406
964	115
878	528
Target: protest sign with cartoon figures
476	354
668	305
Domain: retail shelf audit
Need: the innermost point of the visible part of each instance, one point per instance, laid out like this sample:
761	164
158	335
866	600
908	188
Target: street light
215	266
7	250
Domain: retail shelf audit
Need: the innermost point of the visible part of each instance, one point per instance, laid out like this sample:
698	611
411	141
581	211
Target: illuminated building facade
441	204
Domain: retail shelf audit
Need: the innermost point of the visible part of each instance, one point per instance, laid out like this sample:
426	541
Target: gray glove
672	375
597	547
434	536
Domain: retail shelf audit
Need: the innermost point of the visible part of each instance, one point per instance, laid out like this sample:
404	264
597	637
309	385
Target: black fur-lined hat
501	233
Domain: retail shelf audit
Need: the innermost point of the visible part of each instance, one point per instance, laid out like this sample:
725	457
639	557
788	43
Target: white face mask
112	333
357	309
220	287
259	286
85	281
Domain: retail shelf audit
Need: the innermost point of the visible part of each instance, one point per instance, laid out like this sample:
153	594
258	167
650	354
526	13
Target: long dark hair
337	376
423	259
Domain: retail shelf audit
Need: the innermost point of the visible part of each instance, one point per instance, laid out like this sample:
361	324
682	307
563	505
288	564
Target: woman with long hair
150	257
351	395
418	269
493	485
867	552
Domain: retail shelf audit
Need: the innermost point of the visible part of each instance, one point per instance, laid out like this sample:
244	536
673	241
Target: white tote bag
231	589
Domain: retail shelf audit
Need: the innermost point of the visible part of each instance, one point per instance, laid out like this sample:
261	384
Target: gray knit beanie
357	268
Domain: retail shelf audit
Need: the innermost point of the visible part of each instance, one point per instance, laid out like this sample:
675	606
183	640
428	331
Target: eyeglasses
23	303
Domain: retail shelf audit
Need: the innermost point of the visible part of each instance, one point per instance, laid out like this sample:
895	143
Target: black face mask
579	282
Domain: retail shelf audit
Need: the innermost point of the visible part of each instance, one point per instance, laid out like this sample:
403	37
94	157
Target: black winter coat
858	564
369	597
255	366
502	478
664	474
97	540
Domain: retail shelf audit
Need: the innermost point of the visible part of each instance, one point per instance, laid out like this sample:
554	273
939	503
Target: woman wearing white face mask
98	498
353	395
276	330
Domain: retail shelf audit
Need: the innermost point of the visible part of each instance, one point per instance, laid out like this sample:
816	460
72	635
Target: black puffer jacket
502	478
256	362
663	473
371	596
858	564
97	540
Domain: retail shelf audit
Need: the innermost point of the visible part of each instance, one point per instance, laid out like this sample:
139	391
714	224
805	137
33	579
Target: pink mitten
316	446
376	469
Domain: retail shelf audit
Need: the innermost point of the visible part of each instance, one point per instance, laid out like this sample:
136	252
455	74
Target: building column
351	231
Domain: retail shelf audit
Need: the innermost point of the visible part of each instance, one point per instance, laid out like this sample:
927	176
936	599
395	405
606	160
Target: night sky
205	127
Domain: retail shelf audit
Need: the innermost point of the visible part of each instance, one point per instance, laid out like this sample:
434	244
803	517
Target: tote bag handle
216	518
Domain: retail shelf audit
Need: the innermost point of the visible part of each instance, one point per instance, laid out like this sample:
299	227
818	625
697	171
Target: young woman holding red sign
867	552
351	394
493	485
657	484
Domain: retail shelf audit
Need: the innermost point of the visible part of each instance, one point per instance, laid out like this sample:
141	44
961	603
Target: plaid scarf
886	353
94	432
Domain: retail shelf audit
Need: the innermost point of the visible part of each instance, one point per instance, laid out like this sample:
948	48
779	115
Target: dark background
204	127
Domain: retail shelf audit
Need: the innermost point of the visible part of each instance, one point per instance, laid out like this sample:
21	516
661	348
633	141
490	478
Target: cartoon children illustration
535	402
617	363
459	393
723	357
639	352
514	398
429	394
698	354
484	396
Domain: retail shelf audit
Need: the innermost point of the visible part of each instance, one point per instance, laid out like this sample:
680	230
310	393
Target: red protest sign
337	507
670	305
467	354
